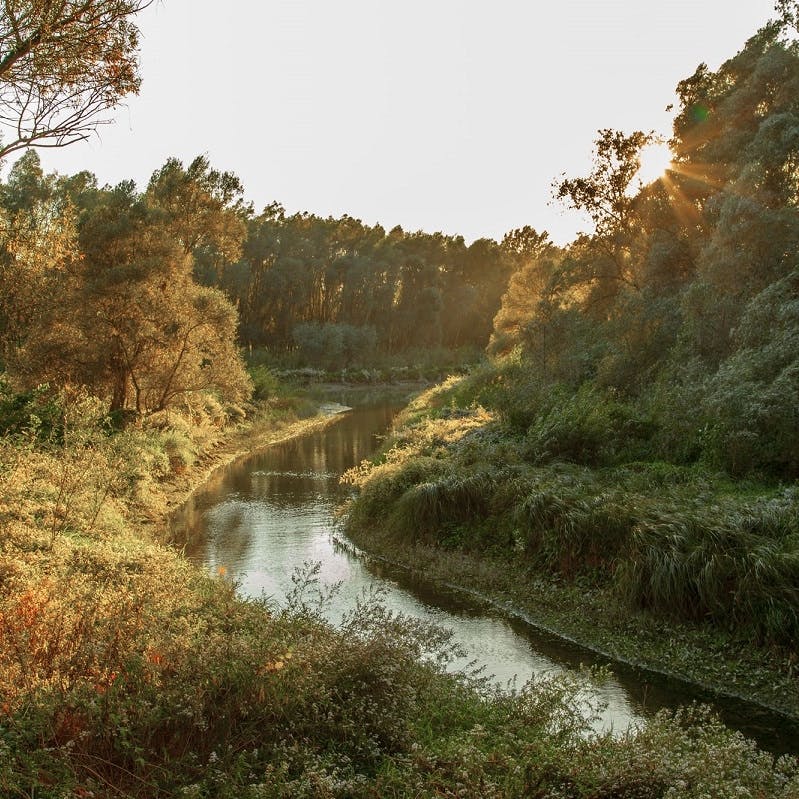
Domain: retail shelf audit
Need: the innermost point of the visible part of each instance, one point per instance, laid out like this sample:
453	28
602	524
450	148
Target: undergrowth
127	672
566	496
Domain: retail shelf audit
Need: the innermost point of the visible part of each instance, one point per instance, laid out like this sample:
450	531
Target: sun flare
655	159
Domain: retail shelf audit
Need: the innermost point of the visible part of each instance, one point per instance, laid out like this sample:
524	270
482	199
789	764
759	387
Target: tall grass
427	506
739	568
675	540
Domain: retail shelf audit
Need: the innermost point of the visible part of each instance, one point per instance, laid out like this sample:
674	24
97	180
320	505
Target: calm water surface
264	516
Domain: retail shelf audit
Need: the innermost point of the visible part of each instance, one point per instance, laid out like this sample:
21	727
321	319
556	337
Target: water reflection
262	517
275	511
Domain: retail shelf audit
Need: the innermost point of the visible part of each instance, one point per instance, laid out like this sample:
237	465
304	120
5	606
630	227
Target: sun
655	158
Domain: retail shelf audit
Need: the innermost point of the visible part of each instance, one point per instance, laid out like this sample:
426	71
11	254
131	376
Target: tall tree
534	257
130	322
204	210
607	195
38	242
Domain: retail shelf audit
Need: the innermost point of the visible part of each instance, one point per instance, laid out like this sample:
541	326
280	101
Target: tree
130	324
63	65
607	196
38	242
534	257
204	210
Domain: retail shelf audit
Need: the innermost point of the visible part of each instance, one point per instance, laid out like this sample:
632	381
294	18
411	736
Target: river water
264	516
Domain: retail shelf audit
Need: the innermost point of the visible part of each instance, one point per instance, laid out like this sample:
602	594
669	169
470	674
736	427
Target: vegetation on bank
634	363
676	568
428	365
124	671
637	432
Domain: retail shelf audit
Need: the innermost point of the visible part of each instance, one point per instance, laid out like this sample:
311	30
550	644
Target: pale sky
450	115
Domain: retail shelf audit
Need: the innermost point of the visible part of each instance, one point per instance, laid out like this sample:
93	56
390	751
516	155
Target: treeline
134	294
307	281
672	331
97	288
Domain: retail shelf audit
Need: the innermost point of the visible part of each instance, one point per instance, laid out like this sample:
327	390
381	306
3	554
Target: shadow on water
267	514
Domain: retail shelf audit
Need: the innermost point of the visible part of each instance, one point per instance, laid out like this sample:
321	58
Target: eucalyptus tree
204	210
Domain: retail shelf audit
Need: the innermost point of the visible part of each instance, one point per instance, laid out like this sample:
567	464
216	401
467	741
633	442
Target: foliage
632	363
62	66
414	290
126	671
36	412
335	346
572	495
203	210
586	427
670	330
109	302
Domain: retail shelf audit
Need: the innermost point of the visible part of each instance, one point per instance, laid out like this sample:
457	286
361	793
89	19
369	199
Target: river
264	516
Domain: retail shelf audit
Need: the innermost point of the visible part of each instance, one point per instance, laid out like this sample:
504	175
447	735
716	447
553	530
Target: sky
440	115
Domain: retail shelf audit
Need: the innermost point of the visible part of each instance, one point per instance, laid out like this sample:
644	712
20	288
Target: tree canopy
683	297
63	65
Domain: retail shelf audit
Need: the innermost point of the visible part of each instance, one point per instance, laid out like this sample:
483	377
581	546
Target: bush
266	384
38	412
588	427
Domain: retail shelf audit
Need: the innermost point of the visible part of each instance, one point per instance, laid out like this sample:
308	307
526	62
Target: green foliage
37	412
673	539
587	427
751	399
567	528
736	566
682	300
126	671
334	346
427	507
265	383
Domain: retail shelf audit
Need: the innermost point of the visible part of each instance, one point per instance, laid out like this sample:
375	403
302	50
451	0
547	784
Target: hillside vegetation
637	431
125	671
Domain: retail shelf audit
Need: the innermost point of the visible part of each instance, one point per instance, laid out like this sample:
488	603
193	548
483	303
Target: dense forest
676	318
339	290
637	429
622	463
133	295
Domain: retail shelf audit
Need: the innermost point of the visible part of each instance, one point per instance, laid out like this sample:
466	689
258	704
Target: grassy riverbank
672	568
126	672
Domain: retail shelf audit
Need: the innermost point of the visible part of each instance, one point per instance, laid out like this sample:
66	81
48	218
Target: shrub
38	413
588	427
427	507
265	382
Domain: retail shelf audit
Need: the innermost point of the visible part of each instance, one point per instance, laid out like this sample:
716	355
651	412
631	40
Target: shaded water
265	515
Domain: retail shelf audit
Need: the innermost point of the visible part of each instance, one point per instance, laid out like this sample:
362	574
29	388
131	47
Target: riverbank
127	672
453	499
704	663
